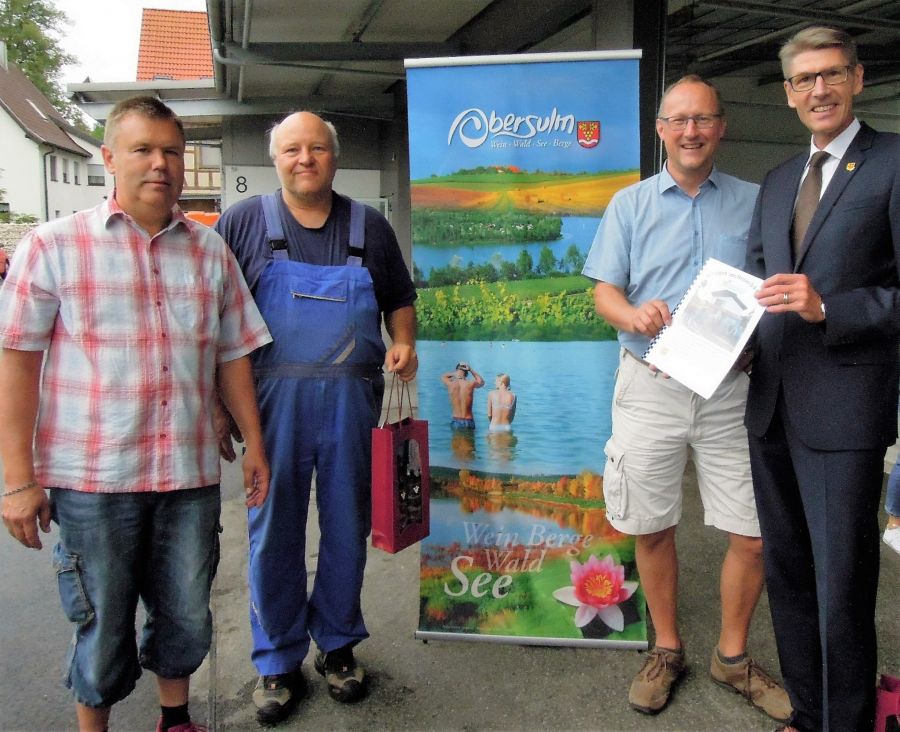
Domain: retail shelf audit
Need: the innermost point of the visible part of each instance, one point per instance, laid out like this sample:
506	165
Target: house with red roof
49	168
175	46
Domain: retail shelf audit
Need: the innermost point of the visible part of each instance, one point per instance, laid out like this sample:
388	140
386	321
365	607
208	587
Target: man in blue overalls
323	269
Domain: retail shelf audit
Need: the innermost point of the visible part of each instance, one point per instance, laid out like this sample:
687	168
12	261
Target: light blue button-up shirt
654	238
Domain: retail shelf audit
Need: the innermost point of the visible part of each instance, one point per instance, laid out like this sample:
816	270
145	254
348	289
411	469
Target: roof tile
174	45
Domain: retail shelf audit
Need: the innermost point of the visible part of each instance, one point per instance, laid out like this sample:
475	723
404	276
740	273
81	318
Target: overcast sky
103	35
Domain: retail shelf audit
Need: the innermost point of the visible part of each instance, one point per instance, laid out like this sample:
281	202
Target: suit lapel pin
851	167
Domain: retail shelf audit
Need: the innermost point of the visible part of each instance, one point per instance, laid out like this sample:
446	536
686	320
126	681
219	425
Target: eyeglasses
702	121
807	81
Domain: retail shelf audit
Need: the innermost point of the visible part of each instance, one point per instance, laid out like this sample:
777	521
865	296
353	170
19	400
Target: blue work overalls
319	386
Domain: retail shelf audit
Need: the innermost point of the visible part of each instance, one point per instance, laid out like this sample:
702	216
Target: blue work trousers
322	426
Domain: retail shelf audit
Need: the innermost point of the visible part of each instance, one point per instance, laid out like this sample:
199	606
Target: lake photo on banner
577	230
562	420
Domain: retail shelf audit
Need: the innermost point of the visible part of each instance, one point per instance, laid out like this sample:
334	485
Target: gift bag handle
402	391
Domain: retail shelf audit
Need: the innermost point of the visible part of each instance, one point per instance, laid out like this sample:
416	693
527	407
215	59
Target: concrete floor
414	685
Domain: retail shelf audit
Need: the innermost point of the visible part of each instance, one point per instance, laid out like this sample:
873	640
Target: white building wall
66	197
20	169
248	171
242	181
94	194
21	175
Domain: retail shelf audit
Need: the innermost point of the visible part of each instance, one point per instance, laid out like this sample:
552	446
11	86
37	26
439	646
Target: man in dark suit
822	405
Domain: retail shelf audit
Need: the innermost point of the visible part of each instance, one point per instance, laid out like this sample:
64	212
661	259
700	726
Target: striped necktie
807	200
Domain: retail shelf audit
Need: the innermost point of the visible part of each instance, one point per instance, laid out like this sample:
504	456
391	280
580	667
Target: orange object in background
207	218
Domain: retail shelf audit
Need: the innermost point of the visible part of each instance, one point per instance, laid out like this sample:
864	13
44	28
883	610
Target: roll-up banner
513	160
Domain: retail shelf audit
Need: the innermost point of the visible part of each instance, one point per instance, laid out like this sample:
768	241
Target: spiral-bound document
710	327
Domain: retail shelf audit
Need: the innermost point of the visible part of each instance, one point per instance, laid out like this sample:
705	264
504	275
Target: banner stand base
429	635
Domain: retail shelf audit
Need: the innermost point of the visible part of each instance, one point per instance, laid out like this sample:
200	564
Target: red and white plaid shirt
133	329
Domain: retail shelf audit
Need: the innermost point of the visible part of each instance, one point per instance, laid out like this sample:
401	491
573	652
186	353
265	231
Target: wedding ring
785	298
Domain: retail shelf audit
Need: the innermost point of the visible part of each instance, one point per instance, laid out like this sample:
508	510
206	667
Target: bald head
303	148
308	116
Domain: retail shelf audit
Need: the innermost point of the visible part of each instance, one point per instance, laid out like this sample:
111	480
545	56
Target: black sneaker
276	696
346	678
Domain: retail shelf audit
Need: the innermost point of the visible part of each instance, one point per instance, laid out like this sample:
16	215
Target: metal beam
195	87
880	61
516	26
808	14
347	51
245	42
781	33
216	36
755	41
212	110
241	58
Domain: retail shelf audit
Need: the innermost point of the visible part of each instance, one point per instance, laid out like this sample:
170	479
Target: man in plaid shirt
115	324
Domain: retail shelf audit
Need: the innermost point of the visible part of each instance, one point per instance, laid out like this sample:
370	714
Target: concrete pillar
612	26
650	36
619	24
395	171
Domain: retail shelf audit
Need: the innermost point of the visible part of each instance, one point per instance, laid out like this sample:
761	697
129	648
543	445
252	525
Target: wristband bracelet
30	484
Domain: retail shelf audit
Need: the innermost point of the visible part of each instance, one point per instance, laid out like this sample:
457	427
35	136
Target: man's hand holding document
709	328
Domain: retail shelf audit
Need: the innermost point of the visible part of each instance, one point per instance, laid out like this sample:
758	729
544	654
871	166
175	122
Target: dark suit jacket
839	377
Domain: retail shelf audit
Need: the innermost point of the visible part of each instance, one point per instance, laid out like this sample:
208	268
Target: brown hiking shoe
652	687
276	695
755	685
345	677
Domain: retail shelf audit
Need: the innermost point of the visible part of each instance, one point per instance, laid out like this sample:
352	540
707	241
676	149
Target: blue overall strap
357	233
274	232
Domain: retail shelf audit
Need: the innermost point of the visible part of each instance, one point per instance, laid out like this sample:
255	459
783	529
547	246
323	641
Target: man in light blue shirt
654	238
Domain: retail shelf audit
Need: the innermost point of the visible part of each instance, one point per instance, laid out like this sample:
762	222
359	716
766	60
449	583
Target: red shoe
186	727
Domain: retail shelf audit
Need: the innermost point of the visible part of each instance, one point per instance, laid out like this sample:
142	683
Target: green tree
509	271
573	260
546	261
525	263
31	29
